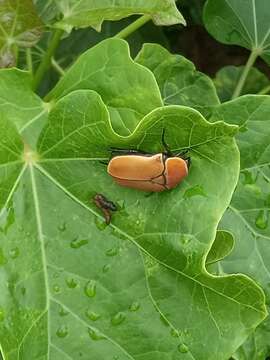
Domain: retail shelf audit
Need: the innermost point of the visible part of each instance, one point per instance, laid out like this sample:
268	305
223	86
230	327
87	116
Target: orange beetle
148	172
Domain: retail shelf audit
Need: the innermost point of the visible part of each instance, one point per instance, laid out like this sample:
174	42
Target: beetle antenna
166	146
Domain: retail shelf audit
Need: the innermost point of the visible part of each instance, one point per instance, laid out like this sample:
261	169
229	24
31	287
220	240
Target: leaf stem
29	60
57	67
251	60
46	61
265	90
133	27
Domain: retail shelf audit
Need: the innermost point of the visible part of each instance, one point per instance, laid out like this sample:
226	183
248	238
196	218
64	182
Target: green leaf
73	287
178	80
129	90
228	77
247	217
222	247
20	26
20	104
240	22
92	13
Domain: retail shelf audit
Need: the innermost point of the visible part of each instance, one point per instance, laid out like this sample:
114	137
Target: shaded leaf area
240	22
227	79
19	104
72	13
81	40
222	247
129	90
247	217
20	26
178	80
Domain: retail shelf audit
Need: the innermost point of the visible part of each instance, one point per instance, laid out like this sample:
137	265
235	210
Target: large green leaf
73	287
227	78
240	22
128	89
84	13
178	80
20	26
77	289
247	217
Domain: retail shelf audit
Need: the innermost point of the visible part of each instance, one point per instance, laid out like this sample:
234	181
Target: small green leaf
222	247
248	215
18	103
240	22
227	78
20	26
128	89
178	80
86	13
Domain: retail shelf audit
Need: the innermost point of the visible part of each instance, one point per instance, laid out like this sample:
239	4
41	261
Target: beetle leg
166	146
103	162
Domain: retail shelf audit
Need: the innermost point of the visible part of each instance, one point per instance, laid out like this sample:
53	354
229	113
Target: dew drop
62	227
14	253
62	331
118	318
196	190
72	283
183	348
3	260
92	315
106	268
134	306
262	220
63	312
90	288
112	251
56	289
95	334
2	315
77	243
100	224
175	333
23	290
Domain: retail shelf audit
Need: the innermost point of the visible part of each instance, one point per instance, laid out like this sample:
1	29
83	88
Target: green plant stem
265	90
133	27
29	60
46	61
251	60
57	67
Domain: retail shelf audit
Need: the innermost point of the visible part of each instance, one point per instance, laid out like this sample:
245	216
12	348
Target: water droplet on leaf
174	333
56	289
90	288
62	227
92	315
183	348
106	268
118	318
112	252
134	306
95	334
72	283
2	315
77	243
63	312
262	219
62	331
14	253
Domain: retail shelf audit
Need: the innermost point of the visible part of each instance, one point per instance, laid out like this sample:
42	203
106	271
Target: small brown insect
106	206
